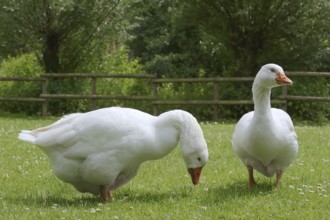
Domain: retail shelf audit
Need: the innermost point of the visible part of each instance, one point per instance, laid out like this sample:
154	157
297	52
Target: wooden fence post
155	97
93	86
44	85
285	95
215	98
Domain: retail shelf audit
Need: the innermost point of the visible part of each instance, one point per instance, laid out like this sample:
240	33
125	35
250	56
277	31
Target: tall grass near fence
162	189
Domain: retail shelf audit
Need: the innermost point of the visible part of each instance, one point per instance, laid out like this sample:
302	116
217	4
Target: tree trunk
51	53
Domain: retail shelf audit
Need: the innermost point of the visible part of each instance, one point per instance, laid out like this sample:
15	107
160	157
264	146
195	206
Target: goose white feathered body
265	139
266	144
106	147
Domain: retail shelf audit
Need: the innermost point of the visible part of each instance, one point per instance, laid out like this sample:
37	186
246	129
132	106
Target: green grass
162	189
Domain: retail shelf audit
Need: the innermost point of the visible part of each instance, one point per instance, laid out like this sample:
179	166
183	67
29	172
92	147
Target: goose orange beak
282	79
195	174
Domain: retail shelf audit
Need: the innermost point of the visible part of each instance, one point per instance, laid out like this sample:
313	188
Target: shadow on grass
235	191
155	197
214	195
88	200
54	201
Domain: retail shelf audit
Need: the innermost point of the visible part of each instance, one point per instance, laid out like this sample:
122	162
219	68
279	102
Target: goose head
271	75
193	148
195	162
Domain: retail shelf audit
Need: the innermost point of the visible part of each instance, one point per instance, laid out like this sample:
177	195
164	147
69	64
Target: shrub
310	111
116	62
25	65
313	111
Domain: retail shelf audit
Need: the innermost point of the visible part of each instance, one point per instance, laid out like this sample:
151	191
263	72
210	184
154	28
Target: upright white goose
264	139
99	151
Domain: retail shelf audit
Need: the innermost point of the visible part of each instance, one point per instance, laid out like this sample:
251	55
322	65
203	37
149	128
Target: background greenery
163	189
170	38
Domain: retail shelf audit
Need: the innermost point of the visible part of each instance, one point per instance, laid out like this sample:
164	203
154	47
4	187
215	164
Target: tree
230	37
64	33
163	44
256	32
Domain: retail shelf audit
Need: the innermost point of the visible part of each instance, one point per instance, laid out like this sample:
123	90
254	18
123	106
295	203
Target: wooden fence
154	82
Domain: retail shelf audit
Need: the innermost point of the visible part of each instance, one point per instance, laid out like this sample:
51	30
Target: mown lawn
163	189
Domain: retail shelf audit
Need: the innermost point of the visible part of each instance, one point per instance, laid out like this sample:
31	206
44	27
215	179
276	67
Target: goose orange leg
252	182
109	194
278	178
105	193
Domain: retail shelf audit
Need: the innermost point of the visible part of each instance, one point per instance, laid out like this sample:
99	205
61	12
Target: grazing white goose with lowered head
264	139
99	151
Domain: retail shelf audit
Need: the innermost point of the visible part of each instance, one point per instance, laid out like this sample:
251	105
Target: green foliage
187	91
170	38
124	87
222	193
23	66
165	47
187	38
68	86
310	111
27	65
313	111
65	34
117	62
227	37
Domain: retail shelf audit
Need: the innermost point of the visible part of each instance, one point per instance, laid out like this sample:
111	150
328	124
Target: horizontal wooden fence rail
215	102
97	75
287	97
22	79
155	83
93	96
43	83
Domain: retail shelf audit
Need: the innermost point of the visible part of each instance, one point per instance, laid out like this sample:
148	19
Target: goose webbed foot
105	193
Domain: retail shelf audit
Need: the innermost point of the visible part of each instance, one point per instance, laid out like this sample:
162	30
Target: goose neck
183	125
261	99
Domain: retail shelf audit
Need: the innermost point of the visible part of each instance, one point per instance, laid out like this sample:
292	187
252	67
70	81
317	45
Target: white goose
101	150
264	139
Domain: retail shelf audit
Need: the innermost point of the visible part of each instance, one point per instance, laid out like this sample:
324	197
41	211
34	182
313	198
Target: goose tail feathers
26	136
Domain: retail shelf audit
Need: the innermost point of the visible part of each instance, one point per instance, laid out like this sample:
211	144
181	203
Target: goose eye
199	159
273	70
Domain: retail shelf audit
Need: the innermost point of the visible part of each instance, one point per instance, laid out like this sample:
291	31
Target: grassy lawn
163	189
